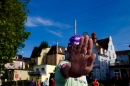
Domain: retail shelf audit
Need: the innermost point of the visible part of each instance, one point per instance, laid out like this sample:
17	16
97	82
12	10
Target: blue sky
53	21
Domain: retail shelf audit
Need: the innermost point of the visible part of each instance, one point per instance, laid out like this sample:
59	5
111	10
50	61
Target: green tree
44	44
13	16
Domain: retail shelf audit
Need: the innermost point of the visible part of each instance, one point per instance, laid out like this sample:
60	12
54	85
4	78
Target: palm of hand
82	62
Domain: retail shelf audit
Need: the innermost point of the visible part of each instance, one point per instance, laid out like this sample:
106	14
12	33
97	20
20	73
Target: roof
103	43
123	52
26	59
53	50
18	57
36	52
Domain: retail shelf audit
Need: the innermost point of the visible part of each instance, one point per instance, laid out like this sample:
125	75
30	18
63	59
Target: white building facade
105	54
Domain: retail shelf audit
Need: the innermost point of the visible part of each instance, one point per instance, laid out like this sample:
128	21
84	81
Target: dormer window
60	50
101	51
16	57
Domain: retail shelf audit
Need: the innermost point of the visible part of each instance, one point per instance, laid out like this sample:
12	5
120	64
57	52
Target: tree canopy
13	16
44	44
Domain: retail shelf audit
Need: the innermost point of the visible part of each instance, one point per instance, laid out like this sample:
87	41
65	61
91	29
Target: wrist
71	74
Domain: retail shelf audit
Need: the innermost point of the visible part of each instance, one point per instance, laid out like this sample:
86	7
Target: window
10	72
109	55
121	60
20	71
44	60
50	57
43	70
103	75
63	57
106	63
37	69
113	55
102	62
97	74
60	50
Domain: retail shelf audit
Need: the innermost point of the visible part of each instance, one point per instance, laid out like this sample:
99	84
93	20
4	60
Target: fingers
83	44
80	44
84	48
89	47
74	46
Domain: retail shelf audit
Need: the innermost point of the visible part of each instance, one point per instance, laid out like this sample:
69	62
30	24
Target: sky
53	21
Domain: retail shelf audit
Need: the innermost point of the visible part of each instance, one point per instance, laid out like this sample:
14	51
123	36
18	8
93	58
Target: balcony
36	73
120	64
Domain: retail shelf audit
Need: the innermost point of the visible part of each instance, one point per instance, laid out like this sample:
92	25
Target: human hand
81	57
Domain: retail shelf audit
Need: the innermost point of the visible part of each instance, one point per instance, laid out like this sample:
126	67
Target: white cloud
57	33
35	21
30	22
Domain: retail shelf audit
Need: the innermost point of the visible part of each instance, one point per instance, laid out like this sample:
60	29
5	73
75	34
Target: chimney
94	37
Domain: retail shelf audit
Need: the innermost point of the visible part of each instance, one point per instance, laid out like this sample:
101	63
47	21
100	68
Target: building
105	55
51	58
38	56
43	71
18	70
55	55
18	74
18	63
121	67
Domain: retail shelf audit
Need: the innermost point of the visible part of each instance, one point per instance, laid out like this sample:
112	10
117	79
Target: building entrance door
117	74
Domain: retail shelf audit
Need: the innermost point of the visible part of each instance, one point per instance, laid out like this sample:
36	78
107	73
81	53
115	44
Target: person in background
52	82
46	82
73	71
32	82
38	82
95	83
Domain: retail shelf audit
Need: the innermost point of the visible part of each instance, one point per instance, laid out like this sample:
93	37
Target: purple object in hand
75	38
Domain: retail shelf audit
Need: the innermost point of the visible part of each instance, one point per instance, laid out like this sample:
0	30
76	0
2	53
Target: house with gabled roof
105	55
55	55
38	56
17	70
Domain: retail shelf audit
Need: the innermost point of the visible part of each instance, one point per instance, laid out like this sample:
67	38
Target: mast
74	27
